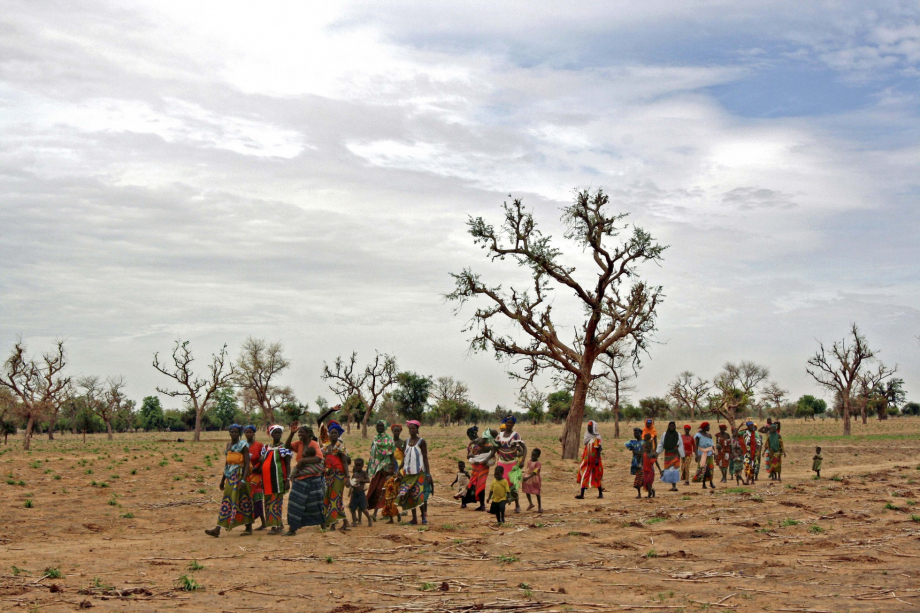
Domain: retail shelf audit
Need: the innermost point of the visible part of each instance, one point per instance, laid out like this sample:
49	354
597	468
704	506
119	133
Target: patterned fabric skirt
476	490
736	466
591	473
775	465
255	490
685	467
305	504
376	491
705	470
648	480
750	470
236	505
411	493
671	459
274	505
639	481
334	498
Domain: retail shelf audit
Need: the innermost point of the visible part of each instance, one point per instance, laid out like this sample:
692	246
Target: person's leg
414	518
638	492
539	504
582	495
600	491
529	502
424	513
215	532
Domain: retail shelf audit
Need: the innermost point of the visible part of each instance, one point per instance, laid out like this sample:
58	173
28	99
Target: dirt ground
116	525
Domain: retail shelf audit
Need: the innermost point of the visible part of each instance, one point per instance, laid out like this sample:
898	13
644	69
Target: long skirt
376	491
411	491
591	473
704	472
685	467
236	505
648	480
476	490
671	459
274	505
255	490
639	481
749	467
305	504
334	498
776	463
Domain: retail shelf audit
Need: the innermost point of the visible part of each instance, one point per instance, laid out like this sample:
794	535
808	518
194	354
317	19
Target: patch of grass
56	477
816	529
202	491
89	471
449	527
685	498
836	478
29	504
99	583
195	565
915	518
656	520
505	559
789	522
164	462
427	587
36	464
52	572
17	571
891	507
651	553
329	559
127	515
188	584
133	471
735	490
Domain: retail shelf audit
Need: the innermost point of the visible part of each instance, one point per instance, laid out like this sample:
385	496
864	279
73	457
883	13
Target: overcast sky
303	173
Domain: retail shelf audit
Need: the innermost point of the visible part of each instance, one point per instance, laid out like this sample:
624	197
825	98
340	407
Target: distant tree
874	393
369	383
911	408
105	399
198	392
809	406
654	407
533	403
616	304
36	383
776	396
689	392
225	407
839	369
7	411
125	416
259	365
632	413
411	395
614	388
151	417
735	388
558	405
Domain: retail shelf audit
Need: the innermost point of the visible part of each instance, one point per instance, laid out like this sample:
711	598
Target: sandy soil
849	542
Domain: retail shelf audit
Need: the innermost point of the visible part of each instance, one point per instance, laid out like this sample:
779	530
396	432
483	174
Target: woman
236	506
723	451
275	466
305	438
651	431
777	452
591	472
416	474
649	463
381	456
637	448
511	454
255	477
336	471
706	450
673	448
305	504
479	453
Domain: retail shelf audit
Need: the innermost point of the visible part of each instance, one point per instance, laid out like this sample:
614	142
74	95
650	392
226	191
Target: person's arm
522	448
294	427
457	478
223	474
597	461
246	466
680	449
489	497
287	463
322	418
423	447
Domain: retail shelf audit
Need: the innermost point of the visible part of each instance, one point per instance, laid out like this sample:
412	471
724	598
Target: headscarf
639	430
413	422
686	426
590	436
671	438
704	425
774	438
649	428
723	427
472	432
487	436
334	426
249	427
510	418
394	426
274	427
237	426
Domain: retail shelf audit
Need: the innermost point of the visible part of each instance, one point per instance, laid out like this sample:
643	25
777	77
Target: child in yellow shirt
498	495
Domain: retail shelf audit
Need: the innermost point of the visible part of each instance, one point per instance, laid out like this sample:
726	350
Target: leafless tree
614	388
735	388
54	410
689	391
533	402
772	392
869	385
36	383
258	367
617	305
197	391
839	369
369	383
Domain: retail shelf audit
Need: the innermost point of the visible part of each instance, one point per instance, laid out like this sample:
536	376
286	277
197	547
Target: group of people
315	473
738	455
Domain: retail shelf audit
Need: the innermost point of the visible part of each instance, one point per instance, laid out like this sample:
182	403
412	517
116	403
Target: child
461	480
358	502
498	495
737	461
532	480
817	461
390	492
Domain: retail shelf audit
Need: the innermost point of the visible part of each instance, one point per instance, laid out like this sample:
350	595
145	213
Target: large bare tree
257	369
735	388
689	392
368	384
36	382
839	369
616	305
197	391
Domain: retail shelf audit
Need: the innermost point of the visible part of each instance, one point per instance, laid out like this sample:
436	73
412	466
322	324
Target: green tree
632	413
911	408
654	407
558	405
225	407
809	406
152	414
411	394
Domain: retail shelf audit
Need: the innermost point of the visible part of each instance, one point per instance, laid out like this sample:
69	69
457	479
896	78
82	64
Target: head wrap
671	438
249	427
704	425
237	426
723	427
649	429
487	436
274	427
590	436
382	421
394	426
749	423
648	422
639	430
472	431
335	427
686	426
413	422
510	419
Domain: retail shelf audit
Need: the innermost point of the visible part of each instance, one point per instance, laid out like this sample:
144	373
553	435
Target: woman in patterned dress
723	450
591	471
275	467
255	477
336	460
381	456
236	505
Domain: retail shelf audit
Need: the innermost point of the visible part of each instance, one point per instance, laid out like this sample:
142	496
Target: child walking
816	463
390	492
461	481
358	502
498	495
532	480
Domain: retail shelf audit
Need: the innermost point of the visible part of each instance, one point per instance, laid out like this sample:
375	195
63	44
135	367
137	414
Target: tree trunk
570	434
616	420
367	415
108	428
883	411
27	437
845	409
198	413
51	423
862	412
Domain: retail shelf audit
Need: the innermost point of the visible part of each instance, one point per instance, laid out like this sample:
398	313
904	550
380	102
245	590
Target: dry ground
115	525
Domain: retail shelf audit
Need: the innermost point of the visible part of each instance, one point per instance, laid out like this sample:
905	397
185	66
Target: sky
211	171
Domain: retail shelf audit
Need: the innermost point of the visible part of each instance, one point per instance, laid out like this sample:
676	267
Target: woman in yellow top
498	495
236	505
